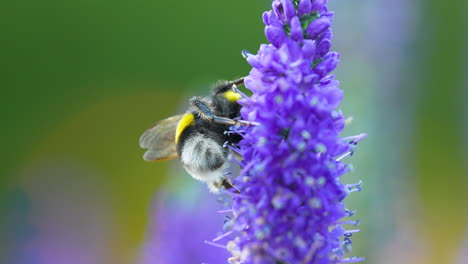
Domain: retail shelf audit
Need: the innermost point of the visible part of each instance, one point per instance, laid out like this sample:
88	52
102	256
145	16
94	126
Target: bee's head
222	87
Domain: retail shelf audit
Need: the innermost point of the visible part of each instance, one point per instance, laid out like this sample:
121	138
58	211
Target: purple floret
291	199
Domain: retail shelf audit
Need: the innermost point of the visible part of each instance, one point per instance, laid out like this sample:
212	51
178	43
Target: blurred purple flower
180	226
291	200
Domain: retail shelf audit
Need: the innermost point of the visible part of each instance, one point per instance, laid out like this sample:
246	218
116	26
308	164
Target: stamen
215	244
353	190
350	212
237	150
222	236
349	153
351	260
237	131
225	211
235	194
358	184
356	139
240	131
347	248
346	241
351	231
355	223
246	54
354	187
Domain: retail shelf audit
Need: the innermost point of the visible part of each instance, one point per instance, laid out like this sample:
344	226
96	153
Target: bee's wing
160	140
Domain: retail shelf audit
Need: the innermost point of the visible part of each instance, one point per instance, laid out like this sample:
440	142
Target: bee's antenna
238	81
223	86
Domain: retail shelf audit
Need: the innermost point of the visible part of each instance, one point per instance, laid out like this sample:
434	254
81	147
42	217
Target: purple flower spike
287	205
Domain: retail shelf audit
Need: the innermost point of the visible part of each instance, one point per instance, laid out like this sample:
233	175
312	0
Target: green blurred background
81	80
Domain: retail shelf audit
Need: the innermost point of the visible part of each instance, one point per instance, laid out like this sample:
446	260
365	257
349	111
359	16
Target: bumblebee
197	137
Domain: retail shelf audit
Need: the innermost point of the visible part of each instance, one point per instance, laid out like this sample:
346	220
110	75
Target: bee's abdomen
201	150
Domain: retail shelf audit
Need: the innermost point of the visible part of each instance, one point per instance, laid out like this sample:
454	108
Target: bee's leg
201	105
216	187
227	184
232	122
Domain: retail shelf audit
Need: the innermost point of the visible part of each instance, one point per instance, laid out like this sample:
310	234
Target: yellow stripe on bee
186	121
232	96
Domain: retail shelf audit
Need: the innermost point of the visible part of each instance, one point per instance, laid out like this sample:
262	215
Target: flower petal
318	26
305	6
289	10
275	35
296	29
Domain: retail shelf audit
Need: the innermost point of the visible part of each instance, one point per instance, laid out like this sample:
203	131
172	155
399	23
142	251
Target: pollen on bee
232	96
187	120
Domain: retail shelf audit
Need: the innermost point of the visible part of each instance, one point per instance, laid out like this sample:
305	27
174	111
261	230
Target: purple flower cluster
290	199
181	224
